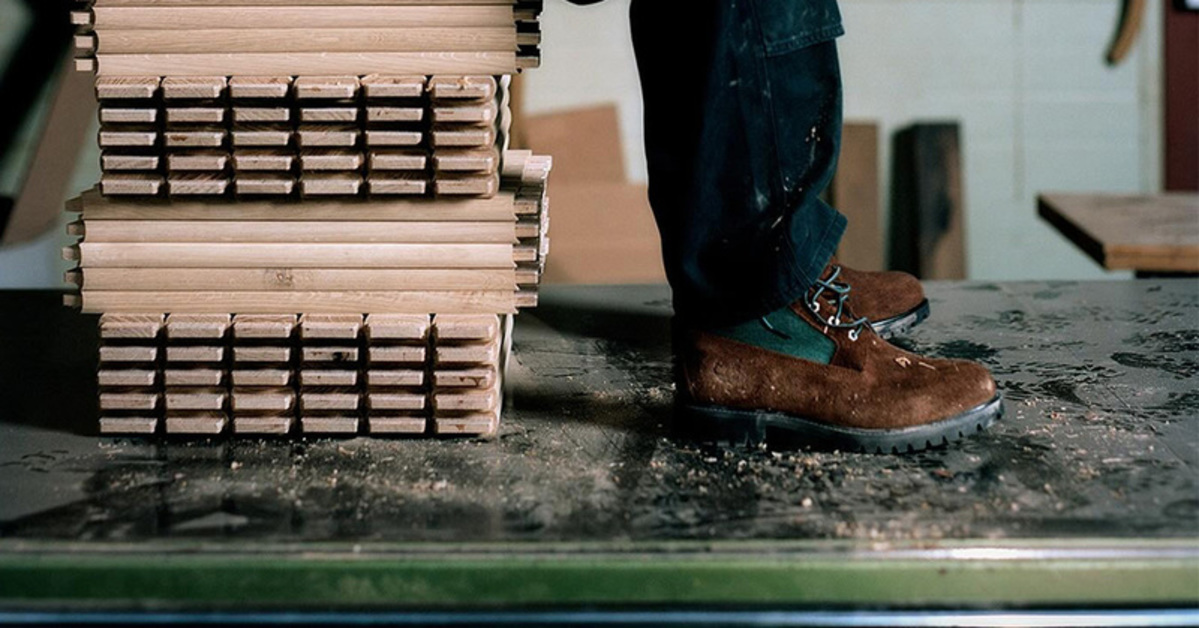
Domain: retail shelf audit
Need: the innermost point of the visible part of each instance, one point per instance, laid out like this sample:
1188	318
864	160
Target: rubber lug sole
896	325
751	428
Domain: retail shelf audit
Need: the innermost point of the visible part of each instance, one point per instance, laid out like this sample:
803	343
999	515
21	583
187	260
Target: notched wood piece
263	326
205	184
125	115
397	184
331	160
273	425
146	326
199	399
328	401
261	115
316	378
479	160
469	354
327	136
131	184
195	115
198	161
376	86
466	327
471	424
330	185
462	87
110	161
262	377
192	377
329	425
127	87
127	354
398	160
263	400
384	114
478	377
261	355
209	424
466	401
127	378
395	354
198	354
409	327
130	400
207	326
193	87
333	355
341	115
325	87
396	401
211	137
393	137
330	326
128	137
400	378
262	161
128	425
396	425
264	185
472	113
261	137
259	87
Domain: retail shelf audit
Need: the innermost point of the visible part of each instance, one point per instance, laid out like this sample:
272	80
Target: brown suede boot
872	397
892	301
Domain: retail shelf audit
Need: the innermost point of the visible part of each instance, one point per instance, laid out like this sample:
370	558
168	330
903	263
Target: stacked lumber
309	220
355	256
295	37
340	374
310	136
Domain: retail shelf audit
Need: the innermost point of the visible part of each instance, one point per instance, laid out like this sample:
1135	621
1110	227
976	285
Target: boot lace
839	293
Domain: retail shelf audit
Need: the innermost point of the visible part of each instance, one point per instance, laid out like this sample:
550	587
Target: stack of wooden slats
314	229
311	136
339	374
298	37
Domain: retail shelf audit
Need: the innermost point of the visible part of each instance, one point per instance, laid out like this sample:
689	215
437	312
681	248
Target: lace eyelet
853	335
815	307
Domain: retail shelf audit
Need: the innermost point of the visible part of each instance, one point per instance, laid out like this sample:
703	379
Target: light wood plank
300	63
276	40
332	16
500	208
166	231
274	255
293	279
411	302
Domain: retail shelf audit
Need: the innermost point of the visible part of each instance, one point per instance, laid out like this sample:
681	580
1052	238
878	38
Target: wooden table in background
1148	234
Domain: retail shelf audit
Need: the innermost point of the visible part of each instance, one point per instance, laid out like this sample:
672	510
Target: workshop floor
1100	440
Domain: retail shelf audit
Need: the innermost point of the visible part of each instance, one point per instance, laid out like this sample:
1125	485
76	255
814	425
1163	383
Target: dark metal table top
1097	456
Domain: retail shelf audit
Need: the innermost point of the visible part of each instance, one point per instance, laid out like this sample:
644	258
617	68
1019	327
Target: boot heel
719	426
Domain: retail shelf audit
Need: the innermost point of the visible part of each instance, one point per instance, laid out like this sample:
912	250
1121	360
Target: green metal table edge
985	574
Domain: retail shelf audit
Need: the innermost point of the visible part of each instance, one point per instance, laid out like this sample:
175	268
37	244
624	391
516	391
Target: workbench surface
1085	492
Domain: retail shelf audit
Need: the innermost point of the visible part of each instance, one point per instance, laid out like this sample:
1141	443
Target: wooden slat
208	424
194	377
275	40
198	326
263	326
259	87
500	208
456	327
266	377
293	3
273	255
164	231
129	326
397	327
207	64
396	425
292	279
387	378
1125	232
330	326
412	302
331	16
128	425
274	425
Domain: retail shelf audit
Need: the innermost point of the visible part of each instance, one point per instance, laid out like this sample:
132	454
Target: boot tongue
848	353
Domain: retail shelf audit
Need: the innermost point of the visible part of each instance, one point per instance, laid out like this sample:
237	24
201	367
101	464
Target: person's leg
742	121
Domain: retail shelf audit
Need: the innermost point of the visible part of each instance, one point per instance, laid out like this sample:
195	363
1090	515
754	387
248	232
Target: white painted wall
1039	107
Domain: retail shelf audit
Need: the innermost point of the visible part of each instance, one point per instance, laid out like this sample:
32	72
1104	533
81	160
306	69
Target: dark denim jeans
742	127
